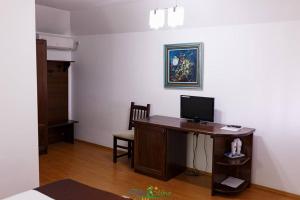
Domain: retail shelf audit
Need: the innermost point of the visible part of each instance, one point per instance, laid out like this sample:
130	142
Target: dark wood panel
65	123
43	138
57	92
42	94
41	55
176	153
160	152
150	150
61	133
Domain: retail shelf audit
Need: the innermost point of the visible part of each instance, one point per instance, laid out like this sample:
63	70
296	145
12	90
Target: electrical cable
205	150
194	150
195	147
194	171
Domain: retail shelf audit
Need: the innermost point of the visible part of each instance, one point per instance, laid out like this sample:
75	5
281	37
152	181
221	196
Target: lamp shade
157	19
175	16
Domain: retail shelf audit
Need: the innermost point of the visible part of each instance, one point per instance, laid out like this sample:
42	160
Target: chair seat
128	134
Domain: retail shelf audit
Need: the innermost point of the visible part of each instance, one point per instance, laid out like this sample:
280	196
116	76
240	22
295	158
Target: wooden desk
160	145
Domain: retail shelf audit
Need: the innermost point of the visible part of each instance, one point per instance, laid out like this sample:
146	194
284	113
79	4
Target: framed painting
183	65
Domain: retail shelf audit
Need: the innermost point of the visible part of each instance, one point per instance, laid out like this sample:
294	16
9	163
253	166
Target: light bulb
157	18
175	16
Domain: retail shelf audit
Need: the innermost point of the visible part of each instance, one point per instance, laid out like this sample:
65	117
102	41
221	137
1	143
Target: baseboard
95	145
199	171
283	193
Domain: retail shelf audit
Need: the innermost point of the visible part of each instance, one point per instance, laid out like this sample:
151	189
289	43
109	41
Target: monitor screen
197	108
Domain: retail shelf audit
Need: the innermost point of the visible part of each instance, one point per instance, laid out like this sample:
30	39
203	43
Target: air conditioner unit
58	42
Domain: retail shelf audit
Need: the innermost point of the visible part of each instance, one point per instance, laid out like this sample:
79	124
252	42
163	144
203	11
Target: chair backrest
138	112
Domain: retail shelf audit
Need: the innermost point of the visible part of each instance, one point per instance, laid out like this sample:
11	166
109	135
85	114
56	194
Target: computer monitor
197	108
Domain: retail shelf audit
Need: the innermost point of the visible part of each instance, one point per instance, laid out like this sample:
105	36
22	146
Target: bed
66	190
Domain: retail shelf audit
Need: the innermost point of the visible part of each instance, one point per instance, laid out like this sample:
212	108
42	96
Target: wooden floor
93	166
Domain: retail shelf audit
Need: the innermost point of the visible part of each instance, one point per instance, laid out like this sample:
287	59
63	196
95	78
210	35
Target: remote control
234	126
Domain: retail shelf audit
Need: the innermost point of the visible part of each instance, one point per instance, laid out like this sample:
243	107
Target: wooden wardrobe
52	86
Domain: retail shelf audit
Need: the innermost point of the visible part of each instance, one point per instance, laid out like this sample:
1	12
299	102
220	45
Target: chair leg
115	150
132	154
129	149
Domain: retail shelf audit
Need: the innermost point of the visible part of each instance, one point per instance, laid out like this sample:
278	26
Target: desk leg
132	156
219	172
213	170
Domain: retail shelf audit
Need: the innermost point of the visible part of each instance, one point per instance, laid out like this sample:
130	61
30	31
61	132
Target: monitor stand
197	121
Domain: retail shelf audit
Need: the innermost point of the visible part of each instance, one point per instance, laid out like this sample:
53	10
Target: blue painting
183	65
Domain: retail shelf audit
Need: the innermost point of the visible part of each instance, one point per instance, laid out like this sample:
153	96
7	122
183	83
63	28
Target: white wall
55	21
52	20
18	103
251	70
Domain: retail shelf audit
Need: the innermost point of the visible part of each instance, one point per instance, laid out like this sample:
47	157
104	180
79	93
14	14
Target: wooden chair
136	112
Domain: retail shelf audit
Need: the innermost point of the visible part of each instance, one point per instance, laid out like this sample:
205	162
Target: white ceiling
91	17
134	17
72	5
